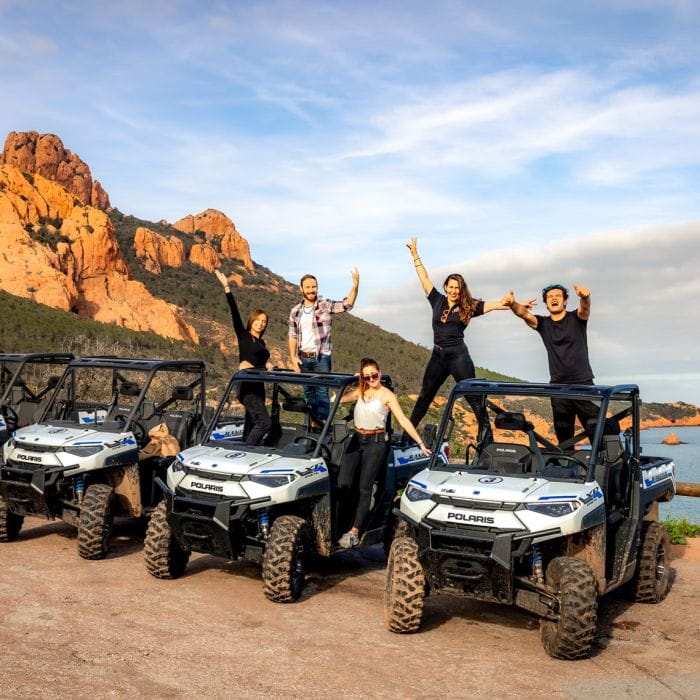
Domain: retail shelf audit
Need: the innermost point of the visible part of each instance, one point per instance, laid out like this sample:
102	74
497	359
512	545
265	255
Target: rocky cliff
60	252
219	232
45	155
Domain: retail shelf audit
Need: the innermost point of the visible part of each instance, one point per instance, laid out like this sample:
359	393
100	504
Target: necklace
310	309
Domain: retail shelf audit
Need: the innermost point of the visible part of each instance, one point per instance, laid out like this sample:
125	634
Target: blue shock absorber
79	487
264	522
537	570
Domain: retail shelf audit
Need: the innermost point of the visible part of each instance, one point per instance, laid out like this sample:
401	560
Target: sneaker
349	540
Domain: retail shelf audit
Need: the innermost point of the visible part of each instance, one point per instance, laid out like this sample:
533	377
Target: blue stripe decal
275	471
555	498
90	442
418	483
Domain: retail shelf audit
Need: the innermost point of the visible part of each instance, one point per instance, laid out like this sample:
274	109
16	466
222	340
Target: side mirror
429	433
52	381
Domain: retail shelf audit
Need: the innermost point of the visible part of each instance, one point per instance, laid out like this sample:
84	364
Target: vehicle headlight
413	494
177	466
272	481
86	451
554	510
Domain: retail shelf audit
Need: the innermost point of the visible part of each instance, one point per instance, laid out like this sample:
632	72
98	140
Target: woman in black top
452	312
252	354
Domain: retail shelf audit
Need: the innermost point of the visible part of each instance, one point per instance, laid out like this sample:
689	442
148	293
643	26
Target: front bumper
478	563
31	490
212	525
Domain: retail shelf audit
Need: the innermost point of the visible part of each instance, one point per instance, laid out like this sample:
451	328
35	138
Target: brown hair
366	362
307	277
255	314
467	303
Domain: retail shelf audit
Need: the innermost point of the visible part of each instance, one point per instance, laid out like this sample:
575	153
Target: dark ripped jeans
565	412
368	453
451	361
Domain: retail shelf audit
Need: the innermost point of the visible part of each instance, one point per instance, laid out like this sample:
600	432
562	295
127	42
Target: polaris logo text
206	487
28	458
483	519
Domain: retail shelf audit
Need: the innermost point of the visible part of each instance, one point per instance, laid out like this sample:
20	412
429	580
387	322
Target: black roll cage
23	359
150	367
603	393
332	380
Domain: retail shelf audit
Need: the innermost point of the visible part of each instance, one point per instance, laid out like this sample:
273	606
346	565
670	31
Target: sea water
687	460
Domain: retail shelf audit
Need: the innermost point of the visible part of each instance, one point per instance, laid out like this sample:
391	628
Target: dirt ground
79	629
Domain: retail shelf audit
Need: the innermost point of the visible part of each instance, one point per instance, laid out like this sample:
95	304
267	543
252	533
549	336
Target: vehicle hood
53	436
233	461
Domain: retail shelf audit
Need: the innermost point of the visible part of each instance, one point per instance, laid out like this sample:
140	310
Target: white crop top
371	415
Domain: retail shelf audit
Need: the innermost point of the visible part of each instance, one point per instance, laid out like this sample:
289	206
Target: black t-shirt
451	332
250	349
567	348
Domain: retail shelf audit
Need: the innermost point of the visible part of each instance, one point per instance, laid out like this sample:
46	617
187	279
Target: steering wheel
11	418
570	458
137	428
325	452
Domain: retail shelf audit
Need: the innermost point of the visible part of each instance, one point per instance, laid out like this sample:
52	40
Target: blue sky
522	142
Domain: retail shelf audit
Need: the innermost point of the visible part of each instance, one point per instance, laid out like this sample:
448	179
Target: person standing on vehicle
369	448
564	336
310	323
252	354
452	313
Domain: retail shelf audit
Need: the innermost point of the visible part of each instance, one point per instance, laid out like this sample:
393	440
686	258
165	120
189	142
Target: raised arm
502	304
422	273
521	310
238	326
352	294
396	410
584	302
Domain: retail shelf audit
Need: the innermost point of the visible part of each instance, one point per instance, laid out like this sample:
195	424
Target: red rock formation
158	250
672	439
66	255
217	227
205	256
45	154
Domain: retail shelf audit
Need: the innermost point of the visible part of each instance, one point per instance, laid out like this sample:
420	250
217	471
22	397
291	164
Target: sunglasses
370	377
444	315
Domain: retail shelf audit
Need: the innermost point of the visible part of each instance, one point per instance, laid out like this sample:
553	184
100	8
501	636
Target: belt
302	353
362	431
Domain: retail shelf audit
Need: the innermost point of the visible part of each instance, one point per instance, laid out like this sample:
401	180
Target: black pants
565	412
366	453
454	361
257	420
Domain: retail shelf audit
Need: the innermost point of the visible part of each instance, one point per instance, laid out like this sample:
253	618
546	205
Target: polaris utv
26	380
274	503
83	461
522	520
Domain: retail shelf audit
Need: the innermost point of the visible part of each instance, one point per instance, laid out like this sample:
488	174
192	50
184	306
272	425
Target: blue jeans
317	396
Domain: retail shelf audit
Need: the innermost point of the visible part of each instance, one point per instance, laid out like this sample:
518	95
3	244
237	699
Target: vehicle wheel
572	635
10	523
164	556
96	520
396	527
405	587
653	575
285	556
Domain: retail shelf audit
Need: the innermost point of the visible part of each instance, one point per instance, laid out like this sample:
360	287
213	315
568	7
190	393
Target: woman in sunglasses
452	313
252	354
369	448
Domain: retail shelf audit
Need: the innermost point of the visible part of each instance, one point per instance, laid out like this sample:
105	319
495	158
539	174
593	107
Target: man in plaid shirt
310	345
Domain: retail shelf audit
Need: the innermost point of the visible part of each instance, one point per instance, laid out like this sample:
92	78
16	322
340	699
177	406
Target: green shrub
679	529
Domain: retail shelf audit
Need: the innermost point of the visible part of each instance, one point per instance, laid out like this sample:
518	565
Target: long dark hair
466	302
366	362
256	313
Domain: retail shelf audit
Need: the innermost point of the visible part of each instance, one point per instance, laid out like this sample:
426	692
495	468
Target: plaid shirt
323	320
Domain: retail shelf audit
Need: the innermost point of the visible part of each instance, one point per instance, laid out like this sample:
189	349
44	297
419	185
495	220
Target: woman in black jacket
252	354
